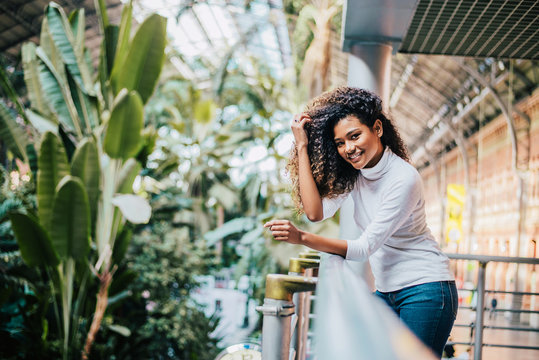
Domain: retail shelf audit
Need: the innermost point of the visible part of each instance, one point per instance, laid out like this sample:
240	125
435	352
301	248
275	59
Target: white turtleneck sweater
389	213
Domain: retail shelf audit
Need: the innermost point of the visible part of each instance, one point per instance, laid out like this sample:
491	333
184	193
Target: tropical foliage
23	292
315	23
91	135
99	275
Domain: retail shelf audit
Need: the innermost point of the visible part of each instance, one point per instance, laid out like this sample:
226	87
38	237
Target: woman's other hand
298	128
284	230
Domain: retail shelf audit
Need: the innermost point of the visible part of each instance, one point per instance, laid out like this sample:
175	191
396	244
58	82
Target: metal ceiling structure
453	61
20	21
495	28
204	33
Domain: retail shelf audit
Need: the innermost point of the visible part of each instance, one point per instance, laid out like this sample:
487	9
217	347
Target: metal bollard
309	255
297	266
302	267
277	310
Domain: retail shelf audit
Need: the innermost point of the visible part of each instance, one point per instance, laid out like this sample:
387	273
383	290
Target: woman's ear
378	129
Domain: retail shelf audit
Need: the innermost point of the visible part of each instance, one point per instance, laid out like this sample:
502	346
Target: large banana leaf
144	61
9	90
121	244
134	208
101	9
123	136
127	176
85	166
64	39
32	80
103	74
224	195
32	159
46	43
52	167
78	26
111	41
85	105
41	123
12	133
124	34
34	243
56	91
231	227
70	223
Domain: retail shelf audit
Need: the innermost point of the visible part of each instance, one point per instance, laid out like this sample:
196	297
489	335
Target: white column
369	67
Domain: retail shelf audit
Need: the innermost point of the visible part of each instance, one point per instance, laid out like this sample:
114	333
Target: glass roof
202	33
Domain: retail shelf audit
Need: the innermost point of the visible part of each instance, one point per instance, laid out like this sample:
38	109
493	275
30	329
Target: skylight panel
209	22
191	27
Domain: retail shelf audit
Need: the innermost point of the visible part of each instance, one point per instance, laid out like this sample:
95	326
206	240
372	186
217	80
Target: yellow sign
455	207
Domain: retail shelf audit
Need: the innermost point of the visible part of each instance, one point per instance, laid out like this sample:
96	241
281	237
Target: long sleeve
331	205
396	207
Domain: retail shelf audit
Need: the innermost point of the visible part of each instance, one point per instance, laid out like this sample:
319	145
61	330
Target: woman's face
357	143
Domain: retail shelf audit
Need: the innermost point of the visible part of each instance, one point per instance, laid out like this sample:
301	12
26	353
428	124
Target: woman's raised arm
310	197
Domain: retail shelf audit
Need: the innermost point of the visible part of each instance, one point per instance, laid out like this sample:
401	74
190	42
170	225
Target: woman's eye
339	144
355	136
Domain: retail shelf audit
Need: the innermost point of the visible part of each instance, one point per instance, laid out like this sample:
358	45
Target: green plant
165	322
23	292
315	22
92	134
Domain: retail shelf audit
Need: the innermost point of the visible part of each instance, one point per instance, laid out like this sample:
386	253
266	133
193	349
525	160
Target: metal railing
479	324
286	307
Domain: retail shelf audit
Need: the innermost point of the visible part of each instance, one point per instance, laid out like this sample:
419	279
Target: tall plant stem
65	310
54	302
102	299
80	296
106	208
66	272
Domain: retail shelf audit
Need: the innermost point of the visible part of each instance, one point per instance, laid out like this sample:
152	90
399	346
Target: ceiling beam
403	80
14	12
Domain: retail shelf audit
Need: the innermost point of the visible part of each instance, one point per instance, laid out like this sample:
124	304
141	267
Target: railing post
276	329
479	311
277	310
302	267
305	323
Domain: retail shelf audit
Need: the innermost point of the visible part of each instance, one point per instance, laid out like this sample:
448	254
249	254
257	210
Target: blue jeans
429	310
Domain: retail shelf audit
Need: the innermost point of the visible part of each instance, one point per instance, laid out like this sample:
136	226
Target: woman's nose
349	147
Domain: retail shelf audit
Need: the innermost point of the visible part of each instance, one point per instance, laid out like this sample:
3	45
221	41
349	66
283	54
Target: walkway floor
491	336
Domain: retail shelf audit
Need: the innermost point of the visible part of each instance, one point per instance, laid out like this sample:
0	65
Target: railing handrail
489	258
483	260
278	327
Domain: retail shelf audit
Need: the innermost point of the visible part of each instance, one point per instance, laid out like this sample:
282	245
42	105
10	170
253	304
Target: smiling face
358	144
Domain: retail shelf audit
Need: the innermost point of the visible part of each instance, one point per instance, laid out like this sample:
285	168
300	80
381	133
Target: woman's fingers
280	228
283	230
277	223
301	119
298	128
281	238
280	233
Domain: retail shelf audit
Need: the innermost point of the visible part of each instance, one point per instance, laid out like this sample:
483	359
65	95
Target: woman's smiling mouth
355	156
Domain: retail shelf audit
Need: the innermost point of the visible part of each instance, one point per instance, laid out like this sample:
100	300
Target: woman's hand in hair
284	230
298	129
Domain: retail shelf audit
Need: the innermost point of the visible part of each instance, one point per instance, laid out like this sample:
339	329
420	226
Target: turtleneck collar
376	172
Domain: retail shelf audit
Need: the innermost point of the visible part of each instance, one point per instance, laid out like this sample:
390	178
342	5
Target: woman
346	147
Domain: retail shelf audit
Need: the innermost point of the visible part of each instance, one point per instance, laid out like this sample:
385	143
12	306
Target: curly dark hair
332	174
